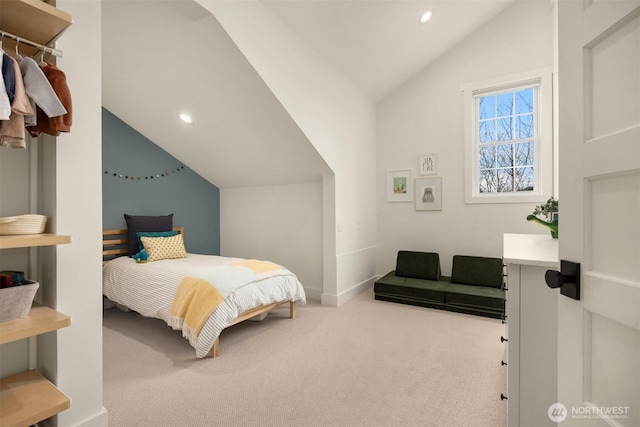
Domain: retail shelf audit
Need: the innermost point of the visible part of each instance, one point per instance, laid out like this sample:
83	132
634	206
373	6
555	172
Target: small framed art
428	194
427	164
399	186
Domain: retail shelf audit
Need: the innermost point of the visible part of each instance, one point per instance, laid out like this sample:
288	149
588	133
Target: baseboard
313	294
338	300
330	300
100	420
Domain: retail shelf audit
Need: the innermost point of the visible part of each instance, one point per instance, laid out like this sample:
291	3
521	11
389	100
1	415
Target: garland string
132	177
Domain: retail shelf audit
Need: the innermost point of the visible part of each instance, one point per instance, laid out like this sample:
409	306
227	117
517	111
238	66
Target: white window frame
543	154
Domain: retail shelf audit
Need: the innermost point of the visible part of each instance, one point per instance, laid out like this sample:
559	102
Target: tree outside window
509	138
506	141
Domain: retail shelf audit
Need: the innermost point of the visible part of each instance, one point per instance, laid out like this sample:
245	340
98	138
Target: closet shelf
34	20
28	398
40	320
29	240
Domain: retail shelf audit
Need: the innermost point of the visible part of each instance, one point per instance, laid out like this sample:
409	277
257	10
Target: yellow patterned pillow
164	247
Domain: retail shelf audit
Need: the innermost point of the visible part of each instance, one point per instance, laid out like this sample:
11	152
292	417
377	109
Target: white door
598	89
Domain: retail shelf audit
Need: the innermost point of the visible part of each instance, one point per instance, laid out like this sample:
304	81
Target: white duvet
148	289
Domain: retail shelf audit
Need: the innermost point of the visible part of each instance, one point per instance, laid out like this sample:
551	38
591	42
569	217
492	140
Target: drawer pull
503	397
503	363
503	339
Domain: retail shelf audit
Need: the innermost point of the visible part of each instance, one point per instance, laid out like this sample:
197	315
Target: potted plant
550	212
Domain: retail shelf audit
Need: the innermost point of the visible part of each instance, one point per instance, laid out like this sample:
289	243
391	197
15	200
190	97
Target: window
509	139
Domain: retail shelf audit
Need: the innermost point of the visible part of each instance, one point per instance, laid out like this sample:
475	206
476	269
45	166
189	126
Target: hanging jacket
39	89
8	76
62	123
5	105
12	131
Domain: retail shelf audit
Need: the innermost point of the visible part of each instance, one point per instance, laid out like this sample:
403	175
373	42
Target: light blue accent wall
194	201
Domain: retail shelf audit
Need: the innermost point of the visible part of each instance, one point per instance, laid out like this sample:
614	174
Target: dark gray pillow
138	223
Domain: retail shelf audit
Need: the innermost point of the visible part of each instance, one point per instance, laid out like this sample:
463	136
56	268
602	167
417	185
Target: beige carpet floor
367	363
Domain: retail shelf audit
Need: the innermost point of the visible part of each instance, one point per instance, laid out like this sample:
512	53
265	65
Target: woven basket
23	224
15	302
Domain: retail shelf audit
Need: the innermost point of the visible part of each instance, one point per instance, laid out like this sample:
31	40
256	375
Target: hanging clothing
39	89
53	125
12	131
21	103
8	76
5	105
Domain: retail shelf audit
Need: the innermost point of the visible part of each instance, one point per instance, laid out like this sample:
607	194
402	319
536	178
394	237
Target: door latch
567	279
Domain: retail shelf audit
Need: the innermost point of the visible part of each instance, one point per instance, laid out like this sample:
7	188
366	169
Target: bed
181	291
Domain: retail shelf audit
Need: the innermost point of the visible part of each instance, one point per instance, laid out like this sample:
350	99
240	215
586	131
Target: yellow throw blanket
192	305
197	297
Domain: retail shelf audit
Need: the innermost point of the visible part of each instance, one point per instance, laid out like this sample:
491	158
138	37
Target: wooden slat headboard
114	243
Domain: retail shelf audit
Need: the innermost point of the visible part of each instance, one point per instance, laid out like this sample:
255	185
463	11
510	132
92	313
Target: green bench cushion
408	287
474	288
411	301
477	271
472	296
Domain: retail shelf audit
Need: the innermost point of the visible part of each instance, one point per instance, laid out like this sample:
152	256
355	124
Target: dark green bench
475	286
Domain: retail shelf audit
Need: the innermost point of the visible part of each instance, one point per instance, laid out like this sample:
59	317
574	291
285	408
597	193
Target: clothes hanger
42	61
18	56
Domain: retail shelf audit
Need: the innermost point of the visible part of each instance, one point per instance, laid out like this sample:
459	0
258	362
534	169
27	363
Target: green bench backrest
419	265
479	271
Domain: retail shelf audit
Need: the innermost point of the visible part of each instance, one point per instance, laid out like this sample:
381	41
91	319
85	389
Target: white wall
338	119
425	115
282	224
78	212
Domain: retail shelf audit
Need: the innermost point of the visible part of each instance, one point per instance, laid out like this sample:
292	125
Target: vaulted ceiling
164	58
380	44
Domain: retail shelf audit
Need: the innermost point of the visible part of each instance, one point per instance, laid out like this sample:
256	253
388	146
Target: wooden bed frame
114	244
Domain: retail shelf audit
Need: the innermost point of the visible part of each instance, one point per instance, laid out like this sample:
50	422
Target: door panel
613	90
598	65
613	352
614	248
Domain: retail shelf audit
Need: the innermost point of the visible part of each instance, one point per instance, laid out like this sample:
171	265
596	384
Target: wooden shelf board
34	20
27	398
29	240
40	320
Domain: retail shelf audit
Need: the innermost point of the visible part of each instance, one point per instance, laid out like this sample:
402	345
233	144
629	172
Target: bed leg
215	348
292	309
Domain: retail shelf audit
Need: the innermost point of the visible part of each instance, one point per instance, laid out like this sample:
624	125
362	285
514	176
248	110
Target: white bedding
148	289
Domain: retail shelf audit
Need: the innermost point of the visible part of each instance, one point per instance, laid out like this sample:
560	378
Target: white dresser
531	328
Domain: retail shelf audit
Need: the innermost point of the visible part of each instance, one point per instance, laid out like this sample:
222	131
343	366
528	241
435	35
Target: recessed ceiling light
186	118
425	17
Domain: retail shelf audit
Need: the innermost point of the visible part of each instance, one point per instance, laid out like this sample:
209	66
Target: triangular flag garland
140	177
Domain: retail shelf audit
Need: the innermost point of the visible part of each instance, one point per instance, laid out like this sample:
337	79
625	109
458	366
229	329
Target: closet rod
50	50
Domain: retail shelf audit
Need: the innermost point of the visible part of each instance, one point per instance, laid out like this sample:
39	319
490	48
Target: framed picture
428	194
399	186
427	164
